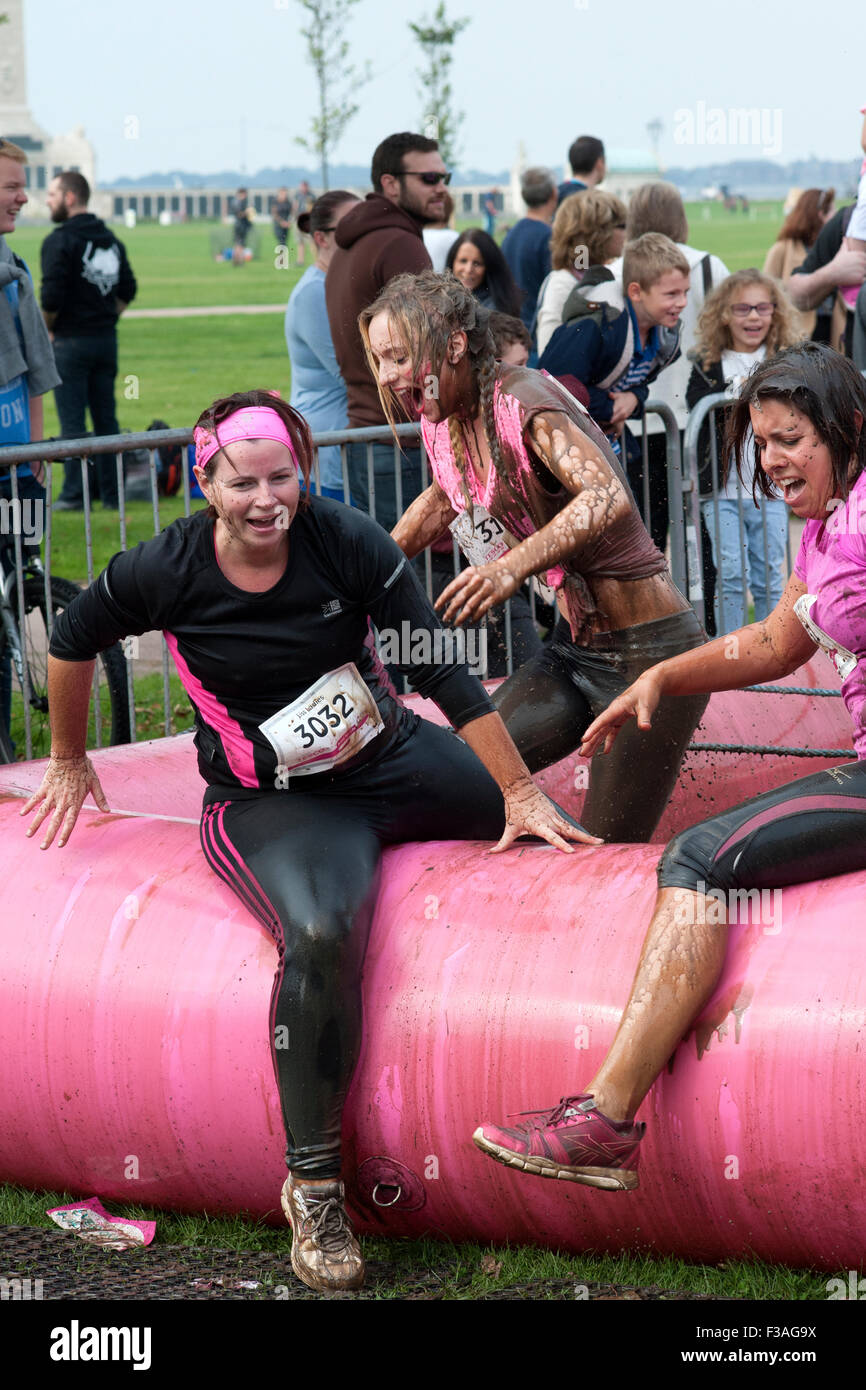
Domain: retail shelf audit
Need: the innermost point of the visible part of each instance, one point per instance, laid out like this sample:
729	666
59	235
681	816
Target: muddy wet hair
825	387
425	310
296	426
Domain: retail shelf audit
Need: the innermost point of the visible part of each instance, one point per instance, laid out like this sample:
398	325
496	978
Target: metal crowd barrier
124	447
684	530
707	506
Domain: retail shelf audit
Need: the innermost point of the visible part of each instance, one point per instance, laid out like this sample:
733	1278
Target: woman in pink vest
530	487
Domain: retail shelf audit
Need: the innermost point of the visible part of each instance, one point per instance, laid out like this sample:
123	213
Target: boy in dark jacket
615	345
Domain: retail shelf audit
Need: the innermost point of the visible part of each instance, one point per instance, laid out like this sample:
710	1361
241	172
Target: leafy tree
436	37
328	52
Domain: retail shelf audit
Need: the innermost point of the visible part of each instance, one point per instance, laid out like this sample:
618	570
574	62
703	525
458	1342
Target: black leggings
306	864
809	829
549	703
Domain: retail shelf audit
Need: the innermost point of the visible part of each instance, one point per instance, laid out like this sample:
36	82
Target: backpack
580	305
169	463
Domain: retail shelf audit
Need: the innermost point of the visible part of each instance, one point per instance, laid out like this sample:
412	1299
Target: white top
736	366
670	385
555	292
439	241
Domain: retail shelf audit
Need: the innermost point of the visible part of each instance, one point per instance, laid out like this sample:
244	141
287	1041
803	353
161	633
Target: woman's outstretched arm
762	651
599	501
70	775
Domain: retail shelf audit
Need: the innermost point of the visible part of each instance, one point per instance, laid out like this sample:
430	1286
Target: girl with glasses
746	319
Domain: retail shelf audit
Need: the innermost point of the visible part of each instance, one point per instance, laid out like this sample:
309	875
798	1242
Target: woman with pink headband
312	765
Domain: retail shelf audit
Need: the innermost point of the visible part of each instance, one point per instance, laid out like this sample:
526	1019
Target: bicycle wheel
111	665
7	747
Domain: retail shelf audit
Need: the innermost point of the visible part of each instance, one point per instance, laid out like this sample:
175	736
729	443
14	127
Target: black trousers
809	829
306	862
88	367
549	703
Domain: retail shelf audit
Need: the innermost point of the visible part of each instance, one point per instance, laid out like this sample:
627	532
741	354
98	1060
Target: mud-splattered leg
682	958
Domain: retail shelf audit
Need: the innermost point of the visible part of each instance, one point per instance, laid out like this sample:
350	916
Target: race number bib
483	539
844	661
330	722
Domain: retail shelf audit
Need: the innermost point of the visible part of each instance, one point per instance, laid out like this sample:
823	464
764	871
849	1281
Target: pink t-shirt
831	562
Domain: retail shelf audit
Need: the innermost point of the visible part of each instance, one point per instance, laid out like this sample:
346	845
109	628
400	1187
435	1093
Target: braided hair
425	310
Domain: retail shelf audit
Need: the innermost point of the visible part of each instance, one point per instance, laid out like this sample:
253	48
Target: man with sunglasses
377	240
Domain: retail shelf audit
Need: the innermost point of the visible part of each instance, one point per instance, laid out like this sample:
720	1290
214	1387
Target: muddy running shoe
325	1252
573	1141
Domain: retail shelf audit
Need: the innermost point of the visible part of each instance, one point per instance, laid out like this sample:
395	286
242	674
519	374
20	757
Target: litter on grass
91	1222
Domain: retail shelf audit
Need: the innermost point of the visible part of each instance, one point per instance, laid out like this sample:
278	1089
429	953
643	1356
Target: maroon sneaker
573	1141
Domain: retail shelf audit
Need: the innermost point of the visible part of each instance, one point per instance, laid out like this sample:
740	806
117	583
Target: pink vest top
621	550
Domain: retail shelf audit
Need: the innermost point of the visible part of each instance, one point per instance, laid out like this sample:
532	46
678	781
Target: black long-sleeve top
242	657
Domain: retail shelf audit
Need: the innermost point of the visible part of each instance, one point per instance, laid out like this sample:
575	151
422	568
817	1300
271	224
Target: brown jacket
375	241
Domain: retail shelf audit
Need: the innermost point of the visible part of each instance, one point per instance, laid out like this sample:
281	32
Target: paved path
204	311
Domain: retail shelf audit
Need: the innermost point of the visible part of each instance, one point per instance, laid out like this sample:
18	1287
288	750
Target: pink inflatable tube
134	994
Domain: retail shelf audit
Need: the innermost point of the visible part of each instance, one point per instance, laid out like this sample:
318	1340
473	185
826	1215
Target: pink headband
252	422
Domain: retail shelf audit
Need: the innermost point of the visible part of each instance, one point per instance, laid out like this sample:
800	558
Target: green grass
180	365
68	556
741	241
175	266
474	1269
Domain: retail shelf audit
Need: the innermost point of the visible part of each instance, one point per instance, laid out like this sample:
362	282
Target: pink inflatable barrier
134	993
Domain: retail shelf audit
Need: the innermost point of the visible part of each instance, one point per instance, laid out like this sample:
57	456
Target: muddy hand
638	702
64	788
529	812
476	590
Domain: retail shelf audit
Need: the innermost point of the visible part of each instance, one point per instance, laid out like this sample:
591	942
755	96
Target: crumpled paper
92	1223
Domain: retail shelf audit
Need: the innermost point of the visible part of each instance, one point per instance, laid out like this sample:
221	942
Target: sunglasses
430	179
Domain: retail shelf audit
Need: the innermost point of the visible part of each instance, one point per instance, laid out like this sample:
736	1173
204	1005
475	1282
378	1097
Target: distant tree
436	37
328	52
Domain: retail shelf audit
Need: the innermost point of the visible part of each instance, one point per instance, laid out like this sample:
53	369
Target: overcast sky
215	84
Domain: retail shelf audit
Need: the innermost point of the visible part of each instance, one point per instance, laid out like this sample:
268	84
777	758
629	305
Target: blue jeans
385	501
88	366
759	550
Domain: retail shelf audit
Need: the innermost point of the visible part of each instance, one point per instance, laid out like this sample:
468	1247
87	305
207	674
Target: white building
47	154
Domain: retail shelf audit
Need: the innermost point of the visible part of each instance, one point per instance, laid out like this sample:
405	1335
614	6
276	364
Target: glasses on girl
742	311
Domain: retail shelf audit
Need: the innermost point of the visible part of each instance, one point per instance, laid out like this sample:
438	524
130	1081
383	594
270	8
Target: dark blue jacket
597	347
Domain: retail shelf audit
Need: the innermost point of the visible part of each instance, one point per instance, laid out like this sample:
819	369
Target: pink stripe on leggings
236	873
792	808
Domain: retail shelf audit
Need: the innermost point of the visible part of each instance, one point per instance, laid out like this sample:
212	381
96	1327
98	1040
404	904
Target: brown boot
325	1252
